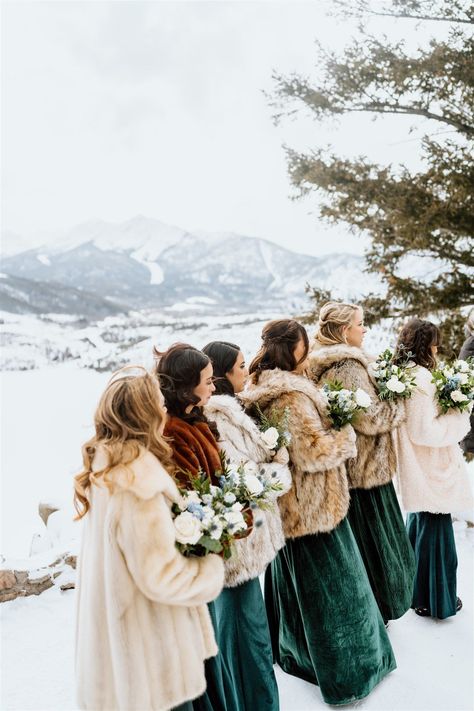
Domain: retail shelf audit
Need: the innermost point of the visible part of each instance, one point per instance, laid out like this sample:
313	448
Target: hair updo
279	340
334	318
418	337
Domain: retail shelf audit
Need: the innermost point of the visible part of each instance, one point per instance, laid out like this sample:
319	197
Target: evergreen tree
427	213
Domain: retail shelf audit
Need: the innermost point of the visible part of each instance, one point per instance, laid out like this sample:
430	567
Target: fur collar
230	408
275	383
322	358
148	476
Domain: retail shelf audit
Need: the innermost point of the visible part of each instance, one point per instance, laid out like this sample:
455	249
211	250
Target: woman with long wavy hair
433	477
374	513
326	627
143	630
242	630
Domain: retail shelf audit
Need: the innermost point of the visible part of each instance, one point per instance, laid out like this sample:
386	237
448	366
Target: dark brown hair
179	372
280	339
223	356
417	337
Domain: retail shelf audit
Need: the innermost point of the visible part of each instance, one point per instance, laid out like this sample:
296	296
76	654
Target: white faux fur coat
143	628
432	473
240	439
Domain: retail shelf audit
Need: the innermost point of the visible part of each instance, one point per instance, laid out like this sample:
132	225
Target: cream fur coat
143	628
375	463
432	472
240	439
319	496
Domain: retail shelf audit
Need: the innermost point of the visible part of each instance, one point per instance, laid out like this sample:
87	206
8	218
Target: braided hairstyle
279	340
417	337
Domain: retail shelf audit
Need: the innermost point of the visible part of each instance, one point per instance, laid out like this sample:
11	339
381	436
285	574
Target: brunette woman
433	476
326	626
143	629
242	631
186	380
374	513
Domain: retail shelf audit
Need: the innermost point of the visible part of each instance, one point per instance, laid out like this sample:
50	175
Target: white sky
113	109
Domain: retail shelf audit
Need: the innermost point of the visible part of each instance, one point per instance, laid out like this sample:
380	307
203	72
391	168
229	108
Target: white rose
250	468
383	363
463	378
462	366
395	385
448	372
270	437
236	520
188	528
458	396
253	484
237	506
229	498
362	398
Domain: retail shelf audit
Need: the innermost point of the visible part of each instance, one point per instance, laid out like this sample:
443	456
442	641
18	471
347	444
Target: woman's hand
282	456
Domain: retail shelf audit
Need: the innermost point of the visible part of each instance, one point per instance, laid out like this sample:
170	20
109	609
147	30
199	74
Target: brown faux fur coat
375	463
319	496
194	448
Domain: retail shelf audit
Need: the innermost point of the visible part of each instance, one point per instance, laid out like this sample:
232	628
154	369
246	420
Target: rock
7	579
45	510
68	586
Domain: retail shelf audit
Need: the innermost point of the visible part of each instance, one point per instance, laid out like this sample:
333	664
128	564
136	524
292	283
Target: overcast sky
113	109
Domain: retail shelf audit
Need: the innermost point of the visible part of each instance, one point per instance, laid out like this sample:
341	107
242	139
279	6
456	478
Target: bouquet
209	518
252	484
343	404
274	428
455	385
393	381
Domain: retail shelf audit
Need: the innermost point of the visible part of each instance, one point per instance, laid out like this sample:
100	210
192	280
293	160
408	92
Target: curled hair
279	340
130	415
223	356
334	318
179	372
417	337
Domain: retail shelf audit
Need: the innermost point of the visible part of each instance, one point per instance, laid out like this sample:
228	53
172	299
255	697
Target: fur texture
431	469
319	496
143	628
241	441
194	448
375	463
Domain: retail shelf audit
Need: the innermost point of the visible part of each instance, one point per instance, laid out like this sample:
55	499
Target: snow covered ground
435	658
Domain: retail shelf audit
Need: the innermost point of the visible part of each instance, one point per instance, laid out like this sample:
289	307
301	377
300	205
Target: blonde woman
143	628
374	513
326	627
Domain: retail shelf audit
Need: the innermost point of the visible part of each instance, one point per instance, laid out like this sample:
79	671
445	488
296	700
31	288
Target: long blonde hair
129	417
334	317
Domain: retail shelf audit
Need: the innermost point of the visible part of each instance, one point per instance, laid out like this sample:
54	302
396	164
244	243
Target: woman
242	633
325	622
467	351
433	476
374	513
138	598
186	380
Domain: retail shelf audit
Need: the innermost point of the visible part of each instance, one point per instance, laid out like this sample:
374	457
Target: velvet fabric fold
378	527
432	538
324	621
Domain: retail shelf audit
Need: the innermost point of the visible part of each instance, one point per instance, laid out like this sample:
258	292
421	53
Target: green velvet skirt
432	538
378	526
325	624
243	638
214	698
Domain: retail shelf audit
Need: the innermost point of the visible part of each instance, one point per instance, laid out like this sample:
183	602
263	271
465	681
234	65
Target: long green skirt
214	698
378	526
243	638
432	538
326	627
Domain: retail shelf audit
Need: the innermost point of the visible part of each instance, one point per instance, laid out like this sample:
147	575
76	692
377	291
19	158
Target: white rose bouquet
393	381
274	428
455	385
209	517
252	484
343	404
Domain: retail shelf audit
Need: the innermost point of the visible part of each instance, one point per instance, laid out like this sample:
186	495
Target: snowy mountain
145	264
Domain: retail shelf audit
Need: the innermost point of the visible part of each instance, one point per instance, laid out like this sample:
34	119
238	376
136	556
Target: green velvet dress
243	638
215	698
325	624
432	538
378	526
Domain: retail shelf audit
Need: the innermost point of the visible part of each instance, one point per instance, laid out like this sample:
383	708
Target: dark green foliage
426	213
